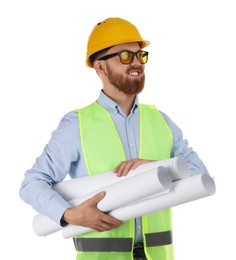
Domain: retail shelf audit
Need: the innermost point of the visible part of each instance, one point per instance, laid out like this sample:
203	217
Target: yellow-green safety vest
103	151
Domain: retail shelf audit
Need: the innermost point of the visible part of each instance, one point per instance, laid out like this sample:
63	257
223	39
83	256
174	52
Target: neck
124	101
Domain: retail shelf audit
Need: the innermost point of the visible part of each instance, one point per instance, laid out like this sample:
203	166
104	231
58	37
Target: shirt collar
112	106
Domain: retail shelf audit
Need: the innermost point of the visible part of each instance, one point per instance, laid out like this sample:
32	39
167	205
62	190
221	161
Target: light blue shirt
63	155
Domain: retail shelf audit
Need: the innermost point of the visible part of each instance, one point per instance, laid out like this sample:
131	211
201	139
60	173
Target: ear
100	67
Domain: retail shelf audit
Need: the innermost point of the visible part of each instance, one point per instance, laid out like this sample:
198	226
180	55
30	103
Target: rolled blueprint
182	191
152	182
75	188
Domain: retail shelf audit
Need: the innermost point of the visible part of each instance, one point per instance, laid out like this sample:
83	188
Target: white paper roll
177	166
139	186
75	188
182	191
43	225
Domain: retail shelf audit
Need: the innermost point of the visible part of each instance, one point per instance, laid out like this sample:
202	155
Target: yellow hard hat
110	32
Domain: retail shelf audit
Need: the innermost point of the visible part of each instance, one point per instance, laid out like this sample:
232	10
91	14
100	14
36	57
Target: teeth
134	73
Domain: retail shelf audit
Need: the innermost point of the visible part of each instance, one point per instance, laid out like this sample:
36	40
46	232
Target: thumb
95	199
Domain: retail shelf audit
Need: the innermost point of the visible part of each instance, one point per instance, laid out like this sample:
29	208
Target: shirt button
131	144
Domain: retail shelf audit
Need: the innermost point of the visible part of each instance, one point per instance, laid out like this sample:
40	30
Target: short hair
95	55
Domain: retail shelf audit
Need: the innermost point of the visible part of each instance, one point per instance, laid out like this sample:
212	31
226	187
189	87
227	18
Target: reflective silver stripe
159	238
103	244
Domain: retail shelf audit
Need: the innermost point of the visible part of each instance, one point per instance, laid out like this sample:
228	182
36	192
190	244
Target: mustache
139	68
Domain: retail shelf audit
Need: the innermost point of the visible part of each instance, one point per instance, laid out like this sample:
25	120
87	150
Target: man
114	133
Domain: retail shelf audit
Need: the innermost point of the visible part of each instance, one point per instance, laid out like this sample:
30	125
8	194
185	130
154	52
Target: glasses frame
136	53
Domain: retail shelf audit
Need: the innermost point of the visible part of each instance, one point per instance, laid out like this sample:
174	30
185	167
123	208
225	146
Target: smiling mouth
134	73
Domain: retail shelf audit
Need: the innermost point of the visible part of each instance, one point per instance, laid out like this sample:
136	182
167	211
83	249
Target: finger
110	225
117	169
138	162
111	221
96	198
123	168
126	167
120	170
106	222
104	227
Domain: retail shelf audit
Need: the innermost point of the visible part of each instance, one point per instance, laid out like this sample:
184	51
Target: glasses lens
126	57
142	56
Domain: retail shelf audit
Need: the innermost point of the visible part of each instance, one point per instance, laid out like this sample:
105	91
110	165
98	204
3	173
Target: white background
190	76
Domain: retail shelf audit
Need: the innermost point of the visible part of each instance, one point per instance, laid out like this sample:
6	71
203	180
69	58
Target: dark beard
124	84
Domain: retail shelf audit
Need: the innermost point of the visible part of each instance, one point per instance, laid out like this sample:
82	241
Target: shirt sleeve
51	167
180	148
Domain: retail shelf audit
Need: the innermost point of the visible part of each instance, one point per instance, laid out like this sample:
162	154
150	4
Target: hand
88	215
123	168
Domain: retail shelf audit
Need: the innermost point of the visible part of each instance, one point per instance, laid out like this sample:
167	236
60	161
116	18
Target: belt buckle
138	252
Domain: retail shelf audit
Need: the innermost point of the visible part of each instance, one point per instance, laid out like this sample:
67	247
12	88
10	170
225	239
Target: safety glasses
127	57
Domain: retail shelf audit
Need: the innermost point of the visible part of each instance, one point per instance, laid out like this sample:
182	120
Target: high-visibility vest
103	151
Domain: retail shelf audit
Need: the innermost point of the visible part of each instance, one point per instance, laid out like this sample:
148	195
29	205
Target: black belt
138	252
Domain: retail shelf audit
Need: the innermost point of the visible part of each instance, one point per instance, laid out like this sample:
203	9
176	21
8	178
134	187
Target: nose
135	61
